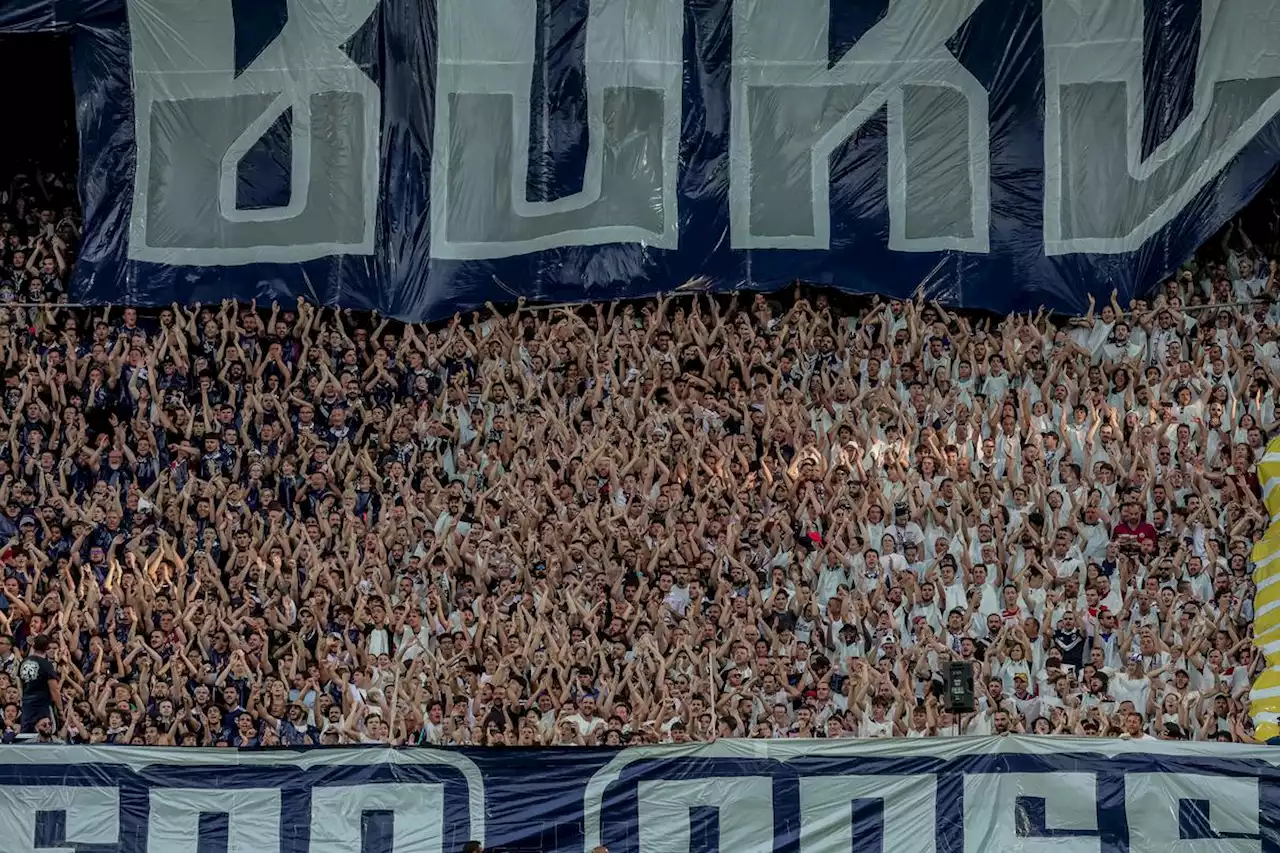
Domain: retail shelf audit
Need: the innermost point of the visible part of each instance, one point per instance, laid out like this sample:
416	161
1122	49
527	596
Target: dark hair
40	643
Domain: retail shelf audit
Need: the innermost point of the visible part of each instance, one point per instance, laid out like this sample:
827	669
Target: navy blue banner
893	796
426	156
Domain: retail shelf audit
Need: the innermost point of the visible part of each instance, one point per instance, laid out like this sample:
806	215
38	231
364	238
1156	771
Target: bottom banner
902	796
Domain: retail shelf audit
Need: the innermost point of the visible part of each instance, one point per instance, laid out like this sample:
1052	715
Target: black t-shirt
37	701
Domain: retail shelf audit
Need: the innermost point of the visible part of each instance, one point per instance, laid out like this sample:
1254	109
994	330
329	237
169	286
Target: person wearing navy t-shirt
40	693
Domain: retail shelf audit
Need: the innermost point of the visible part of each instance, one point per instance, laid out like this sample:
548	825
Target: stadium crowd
675	520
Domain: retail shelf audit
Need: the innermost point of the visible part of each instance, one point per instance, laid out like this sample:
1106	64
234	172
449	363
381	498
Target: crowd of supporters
760	516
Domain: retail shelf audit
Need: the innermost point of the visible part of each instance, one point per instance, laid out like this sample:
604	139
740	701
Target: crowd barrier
897	796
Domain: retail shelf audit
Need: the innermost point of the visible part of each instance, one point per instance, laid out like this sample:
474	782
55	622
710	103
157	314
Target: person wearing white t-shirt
586	719
1064	559
833	576
1132	684
1104	634
1094	535
1120	346
876	724
1133	727
414	638
1108	596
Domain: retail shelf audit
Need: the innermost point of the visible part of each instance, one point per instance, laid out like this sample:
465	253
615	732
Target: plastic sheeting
424	156
27	16
891	796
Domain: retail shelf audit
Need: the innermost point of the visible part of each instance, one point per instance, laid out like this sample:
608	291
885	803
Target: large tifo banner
963	795
423	156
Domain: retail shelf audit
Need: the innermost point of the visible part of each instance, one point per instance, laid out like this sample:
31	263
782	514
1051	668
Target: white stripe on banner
970	794
1269	582
1267	560
1266	608
1269	487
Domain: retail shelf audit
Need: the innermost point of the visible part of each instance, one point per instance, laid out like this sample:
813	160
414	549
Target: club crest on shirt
29	671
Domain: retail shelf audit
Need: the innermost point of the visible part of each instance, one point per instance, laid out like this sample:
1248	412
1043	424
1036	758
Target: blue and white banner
424	156
899	796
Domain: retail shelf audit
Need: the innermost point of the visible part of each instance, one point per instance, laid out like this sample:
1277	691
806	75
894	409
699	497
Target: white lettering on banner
197	122
1224	809
196	119
1101	194
1002	812
791	109
417	811
91	815
744	805
976	795
1051	811
480	163
252	817
907	804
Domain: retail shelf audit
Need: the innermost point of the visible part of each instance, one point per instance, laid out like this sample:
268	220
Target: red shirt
1140	531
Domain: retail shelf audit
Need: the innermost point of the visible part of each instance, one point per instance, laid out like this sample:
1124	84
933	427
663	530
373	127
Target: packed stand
676	520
